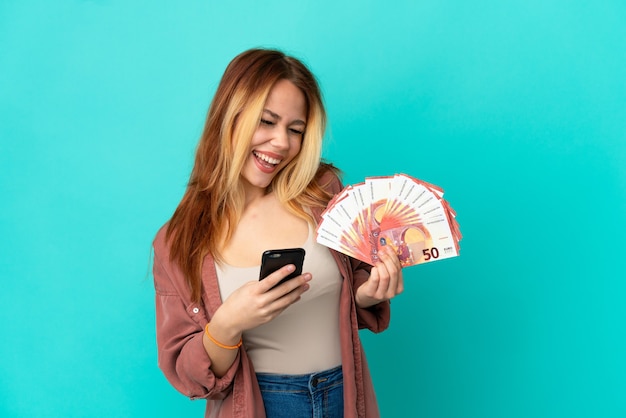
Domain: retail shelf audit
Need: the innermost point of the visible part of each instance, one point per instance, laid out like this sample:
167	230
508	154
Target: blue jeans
317	395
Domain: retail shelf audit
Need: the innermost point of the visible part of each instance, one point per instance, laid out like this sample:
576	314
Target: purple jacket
185	363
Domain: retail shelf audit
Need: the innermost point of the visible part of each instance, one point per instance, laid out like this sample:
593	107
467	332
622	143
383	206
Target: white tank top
304	338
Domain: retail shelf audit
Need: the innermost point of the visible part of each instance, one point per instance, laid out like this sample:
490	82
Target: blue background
516	108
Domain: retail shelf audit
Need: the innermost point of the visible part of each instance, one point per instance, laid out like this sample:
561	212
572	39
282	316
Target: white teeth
266	158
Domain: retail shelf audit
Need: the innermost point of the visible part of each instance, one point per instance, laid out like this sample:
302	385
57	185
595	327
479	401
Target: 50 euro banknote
400	211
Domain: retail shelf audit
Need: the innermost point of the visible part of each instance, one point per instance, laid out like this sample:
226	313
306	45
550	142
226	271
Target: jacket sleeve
375	318
179	328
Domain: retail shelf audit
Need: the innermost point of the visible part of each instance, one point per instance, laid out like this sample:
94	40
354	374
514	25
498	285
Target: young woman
250	347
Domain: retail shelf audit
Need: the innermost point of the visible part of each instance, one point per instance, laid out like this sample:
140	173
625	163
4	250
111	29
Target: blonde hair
214	199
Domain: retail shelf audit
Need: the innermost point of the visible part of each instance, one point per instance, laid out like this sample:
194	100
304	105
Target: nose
281	139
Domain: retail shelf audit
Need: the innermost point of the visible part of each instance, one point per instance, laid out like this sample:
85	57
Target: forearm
220	342
182	355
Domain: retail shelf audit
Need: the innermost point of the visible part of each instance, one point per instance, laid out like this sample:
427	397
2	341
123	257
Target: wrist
364	302
215	341
223	330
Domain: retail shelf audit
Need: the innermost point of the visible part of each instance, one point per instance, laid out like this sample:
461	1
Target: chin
257	183
258	179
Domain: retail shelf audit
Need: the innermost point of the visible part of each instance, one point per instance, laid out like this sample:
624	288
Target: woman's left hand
385	281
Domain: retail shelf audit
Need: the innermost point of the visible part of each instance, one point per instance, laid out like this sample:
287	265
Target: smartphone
272	260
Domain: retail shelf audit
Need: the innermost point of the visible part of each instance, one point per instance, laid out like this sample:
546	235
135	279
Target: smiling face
278	138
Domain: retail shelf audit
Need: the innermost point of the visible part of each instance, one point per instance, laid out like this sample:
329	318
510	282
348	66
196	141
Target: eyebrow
276	116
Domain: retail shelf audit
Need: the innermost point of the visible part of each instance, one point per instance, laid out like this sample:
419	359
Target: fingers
273	279
271	282
391	282
385	281
292	289
277	297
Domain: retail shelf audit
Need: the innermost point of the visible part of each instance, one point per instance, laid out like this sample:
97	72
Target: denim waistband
310	382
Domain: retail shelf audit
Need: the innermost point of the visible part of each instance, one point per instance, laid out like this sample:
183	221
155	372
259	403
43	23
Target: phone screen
273	260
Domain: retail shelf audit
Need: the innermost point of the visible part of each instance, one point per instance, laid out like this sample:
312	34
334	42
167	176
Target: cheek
295	148
257	138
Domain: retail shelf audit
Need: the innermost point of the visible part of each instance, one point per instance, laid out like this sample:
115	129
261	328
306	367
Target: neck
254	194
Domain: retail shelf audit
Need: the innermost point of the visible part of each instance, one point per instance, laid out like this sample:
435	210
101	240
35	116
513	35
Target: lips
265	162
264	158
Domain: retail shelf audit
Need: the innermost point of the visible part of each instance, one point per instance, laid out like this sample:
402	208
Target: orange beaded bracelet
219	344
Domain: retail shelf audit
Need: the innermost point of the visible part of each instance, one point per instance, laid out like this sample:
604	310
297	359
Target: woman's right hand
253	304
257	302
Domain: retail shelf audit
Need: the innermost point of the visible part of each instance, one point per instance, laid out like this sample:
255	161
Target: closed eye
296	131
266	122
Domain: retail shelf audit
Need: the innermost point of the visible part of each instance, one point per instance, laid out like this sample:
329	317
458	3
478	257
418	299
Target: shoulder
329	178
160	242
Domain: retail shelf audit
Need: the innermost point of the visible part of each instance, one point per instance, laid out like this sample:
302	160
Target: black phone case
273	260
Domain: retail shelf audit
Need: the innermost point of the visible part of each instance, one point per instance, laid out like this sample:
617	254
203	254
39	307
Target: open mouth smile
265	160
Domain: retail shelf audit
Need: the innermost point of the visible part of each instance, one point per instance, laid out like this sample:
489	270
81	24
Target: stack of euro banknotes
400	211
